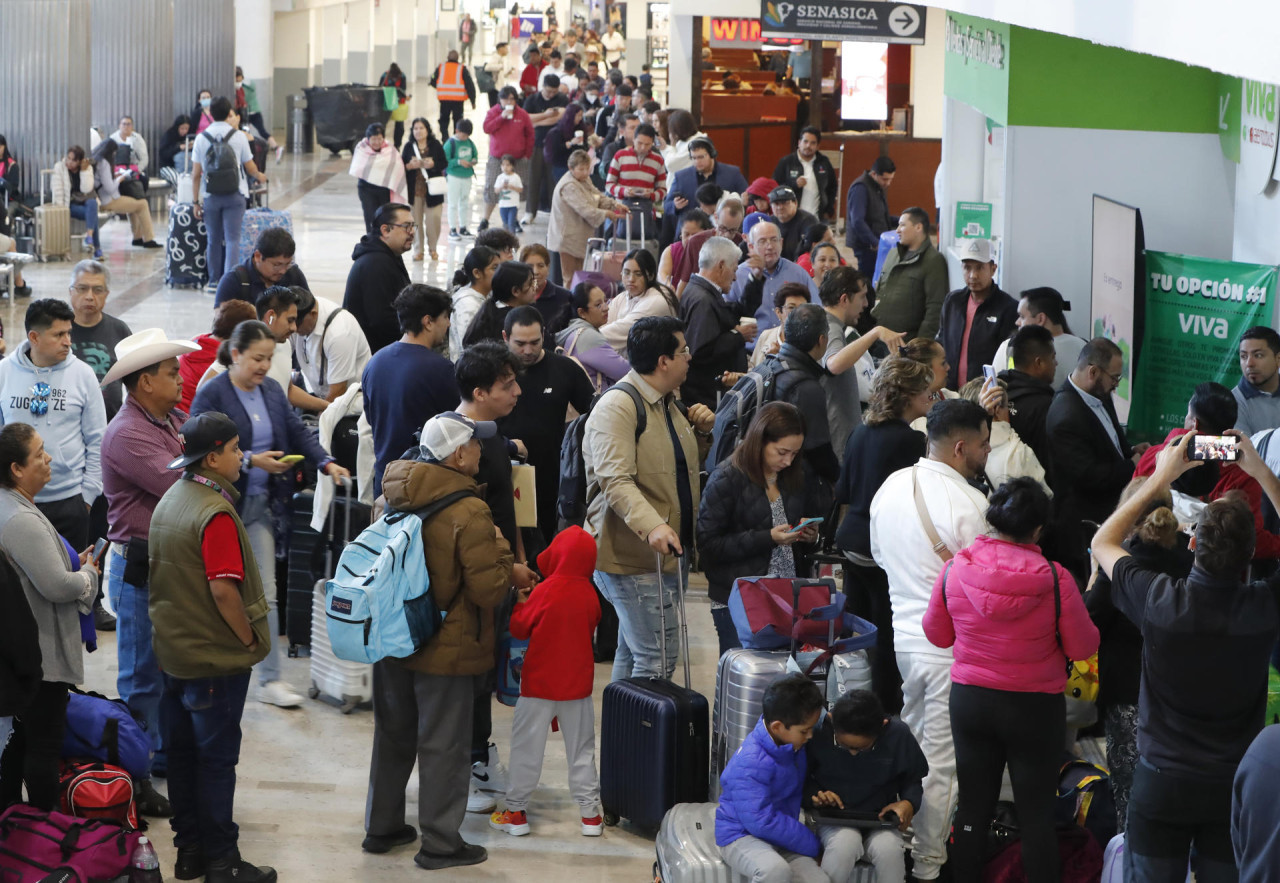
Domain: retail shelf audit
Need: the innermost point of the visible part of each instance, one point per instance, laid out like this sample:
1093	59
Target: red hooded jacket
558	620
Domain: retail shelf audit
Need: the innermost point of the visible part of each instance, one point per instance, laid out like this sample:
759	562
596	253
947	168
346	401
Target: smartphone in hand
805	522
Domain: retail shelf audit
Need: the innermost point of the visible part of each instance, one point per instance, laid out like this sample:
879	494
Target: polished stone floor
303	772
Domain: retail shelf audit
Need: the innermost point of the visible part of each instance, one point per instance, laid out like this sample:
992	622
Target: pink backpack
33	843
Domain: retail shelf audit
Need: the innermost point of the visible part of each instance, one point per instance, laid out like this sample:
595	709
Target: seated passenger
107	182
136	156
72	185
175	145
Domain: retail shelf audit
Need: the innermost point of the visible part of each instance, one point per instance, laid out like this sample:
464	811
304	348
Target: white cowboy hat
143	349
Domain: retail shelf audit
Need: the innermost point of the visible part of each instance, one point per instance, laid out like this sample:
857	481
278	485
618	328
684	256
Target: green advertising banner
1196	310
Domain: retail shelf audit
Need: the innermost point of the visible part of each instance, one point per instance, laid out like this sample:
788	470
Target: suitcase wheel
349	704
610	818
313	692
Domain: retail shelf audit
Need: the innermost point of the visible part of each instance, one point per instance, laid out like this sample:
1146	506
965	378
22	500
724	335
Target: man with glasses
728	225
765	267
44	384
641	461
862	760
270	264
1092	459
378	274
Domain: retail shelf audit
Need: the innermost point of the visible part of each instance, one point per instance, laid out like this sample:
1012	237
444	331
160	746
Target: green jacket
190	637
456	149
911	291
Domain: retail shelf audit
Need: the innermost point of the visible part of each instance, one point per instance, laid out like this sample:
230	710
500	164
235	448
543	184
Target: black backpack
738	406
571	502
221	166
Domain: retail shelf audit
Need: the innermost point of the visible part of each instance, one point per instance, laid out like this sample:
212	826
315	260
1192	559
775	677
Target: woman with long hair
581	338
1156	543
175	144
1014	618
551	300
881	445
642	295
379	171
110	199
750	507
930	354
513	286
424	159
268	428
471	285
200	115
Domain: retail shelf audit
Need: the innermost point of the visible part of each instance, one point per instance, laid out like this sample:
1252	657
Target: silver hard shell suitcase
351	683
741	679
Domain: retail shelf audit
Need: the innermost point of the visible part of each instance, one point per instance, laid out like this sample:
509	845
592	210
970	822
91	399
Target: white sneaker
526	218
478	801
491	776
278	693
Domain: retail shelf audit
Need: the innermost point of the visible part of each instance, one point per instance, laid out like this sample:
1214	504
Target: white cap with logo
446	432
974	250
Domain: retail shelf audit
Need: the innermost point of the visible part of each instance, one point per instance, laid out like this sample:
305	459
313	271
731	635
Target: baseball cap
761	187
202	435
974	250
446	432
782	194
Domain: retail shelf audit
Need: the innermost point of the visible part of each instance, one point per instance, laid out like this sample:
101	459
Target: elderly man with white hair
767	269
716	330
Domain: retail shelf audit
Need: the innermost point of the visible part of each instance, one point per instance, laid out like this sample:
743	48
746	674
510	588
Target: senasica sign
844	20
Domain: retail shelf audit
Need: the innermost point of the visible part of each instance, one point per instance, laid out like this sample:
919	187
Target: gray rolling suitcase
687	851
741	679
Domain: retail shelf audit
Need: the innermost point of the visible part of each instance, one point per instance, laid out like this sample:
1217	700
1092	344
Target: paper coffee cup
750	320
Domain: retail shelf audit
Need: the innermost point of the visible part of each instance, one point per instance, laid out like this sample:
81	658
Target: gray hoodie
71	428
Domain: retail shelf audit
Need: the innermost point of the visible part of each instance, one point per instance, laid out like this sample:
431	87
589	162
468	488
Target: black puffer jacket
1030	399
734	521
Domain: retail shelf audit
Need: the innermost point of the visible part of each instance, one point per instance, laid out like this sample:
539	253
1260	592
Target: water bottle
145	865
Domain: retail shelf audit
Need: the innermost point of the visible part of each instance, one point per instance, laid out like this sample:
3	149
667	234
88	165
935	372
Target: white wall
1235	37
1257	224
1183	186
927	62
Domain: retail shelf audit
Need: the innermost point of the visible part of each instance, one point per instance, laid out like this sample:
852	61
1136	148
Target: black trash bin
341	113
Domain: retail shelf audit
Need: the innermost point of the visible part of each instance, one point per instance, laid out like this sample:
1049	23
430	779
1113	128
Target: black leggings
868	591
372	198
1025	730
32	755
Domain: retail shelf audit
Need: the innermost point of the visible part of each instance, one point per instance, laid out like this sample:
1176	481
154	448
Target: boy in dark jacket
758	827
862	760
558	618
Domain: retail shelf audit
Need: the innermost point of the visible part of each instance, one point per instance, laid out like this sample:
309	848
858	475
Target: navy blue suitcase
655	742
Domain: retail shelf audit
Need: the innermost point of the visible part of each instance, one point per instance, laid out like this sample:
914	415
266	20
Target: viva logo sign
1258	135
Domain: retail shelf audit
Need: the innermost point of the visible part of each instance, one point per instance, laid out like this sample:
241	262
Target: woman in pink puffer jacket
994	602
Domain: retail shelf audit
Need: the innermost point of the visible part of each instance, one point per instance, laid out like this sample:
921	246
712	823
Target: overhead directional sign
876	20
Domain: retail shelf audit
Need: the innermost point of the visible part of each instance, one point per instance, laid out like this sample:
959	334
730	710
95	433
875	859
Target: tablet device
852	818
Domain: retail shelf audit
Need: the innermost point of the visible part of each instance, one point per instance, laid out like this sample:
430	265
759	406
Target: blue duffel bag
105	730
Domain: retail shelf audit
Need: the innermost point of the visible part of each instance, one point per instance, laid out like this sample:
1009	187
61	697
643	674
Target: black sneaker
136	243
151	243
151	802
102	620
484	225
469	854
191	863
234	869
380	843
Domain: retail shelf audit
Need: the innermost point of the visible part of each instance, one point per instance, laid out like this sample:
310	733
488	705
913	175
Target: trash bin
300	134
341	113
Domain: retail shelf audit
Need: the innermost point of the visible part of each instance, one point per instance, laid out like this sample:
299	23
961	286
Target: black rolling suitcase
307	559
655	744
186	263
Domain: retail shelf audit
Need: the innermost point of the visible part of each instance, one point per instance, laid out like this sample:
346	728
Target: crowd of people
995	521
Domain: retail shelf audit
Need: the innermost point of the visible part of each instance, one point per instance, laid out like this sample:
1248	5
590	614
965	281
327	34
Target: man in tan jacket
422	705
642	492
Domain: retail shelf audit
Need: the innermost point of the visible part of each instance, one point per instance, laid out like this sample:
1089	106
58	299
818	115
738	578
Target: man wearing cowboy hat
976	319
139	442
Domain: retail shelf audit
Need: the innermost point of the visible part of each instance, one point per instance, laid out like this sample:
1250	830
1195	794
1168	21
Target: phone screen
1214	447
99	551
989	372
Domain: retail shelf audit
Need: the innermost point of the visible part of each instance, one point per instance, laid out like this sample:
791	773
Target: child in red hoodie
558	617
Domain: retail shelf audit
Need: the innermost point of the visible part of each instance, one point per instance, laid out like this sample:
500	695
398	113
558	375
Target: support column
425	29
384	37
137	84
45	63
204	51
255	54
292	56
333	21
637	30
403	33
684	70
360	42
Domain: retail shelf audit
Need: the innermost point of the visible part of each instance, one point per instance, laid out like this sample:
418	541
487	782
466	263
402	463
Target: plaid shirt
627	170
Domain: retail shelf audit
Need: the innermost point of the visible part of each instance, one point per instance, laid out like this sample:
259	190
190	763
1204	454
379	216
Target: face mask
592	96
205	102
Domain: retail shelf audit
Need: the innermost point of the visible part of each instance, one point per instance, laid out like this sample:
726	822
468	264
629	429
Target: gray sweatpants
427	719
761	862
529	745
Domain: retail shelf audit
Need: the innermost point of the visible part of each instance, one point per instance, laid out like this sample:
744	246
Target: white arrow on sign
904	21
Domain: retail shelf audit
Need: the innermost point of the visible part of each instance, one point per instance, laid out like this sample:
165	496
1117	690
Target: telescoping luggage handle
683	621
349	484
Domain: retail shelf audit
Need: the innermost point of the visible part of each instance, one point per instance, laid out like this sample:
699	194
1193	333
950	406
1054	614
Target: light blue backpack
379	603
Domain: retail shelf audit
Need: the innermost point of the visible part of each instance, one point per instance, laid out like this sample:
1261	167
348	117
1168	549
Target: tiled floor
303	772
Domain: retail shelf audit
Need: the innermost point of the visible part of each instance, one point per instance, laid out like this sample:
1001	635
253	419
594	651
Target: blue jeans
87	211
510	215
637	598
201	720
6	729
138	681
223	217
255	512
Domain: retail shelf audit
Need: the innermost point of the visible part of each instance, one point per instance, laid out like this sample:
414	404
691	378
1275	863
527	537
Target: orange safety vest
449	85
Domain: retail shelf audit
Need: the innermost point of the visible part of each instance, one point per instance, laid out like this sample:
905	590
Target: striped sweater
627	170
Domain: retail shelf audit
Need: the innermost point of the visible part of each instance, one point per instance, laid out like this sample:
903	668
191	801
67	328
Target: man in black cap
793	221
209	620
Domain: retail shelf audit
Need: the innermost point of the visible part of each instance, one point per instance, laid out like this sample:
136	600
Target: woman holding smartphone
751	507
269	430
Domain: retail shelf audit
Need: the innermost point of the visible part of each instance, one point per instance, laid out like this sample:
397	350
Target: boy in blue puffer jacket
758	827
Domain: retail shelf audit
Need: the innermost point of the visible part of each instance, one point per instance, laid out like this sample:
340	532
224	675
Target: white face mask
205	102
592	96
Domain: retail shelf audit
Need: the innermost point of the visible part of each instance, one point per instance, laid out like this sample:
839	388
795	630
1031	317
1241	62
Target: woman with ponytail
471	284
1157	543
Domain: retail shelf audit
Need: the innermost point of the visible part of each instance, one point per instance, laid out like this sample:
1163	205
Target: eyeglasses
854	751
98	290
407	226
683	353
40	399
769	240
1115	378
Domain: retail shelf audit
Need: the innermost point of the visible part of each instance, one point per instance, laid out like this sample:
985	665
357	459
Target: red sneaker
513	823
592	827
